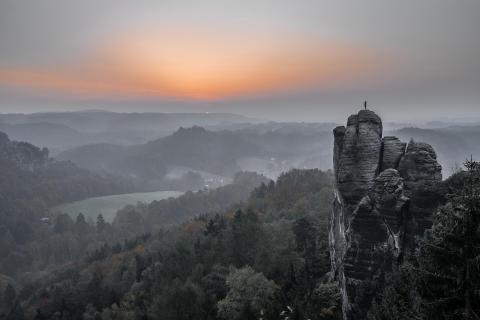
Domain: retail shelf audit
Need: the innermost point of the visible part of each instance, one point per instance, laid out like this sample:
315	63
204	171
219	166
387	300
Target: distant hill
220	153
59	131
102	121
97	140
197	148
28	173
52	135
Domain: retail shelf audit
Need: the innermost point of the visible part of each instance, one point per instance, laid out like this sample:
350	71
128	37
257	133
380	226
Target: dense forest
276	242
251	249
30	183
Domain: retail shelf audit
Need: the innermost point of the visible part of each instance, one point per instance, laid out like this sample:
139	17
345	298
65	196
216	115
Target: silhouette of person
365	104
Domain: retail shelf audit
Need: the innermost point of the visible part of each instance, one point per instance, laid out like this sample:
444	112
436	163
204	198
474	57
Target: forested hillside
267	257
34	243
30	183
194	148
219	153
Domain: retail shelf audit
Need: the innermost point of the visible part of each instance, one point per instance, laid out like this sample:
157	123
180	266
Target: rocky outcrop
392	151
421	172
385	193
355	171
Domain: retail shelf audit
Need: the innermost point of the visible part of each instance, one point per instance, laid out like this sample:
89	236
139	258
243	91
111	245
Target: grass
109	205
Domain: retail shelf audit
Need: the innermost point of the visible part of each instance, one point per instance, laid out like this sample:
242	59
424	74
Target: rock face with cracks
385	194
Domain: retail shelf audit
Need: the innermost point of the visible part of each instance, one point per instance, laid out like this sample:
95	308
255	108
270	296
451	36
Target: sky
280	60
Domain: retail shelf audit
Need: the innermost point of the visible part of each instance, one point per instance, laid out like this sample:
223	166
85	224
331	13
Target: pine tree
101	224
449	254
244	237
444	282
81	225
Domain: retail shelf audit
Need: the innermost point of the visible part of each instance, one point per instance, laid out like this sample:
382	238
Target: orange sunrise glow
200	66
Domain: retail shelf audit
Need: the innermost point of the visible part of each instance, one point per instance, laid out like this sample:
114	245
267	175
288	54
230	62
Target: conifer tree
449	254
101	224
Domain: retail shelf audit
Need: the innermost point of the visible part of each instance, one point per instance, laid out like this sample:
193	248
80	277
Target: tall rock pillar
376	211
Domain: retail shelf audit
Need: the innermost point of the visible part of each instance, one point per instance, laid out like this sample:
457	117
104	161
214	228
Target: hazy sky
283	60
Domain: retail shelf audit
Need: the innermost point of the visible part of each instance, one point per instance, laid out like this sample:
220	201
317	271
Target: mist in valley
187	160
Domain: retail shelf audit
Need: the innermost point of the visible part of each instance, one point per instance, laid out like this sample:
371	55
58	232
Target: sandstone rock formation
385	194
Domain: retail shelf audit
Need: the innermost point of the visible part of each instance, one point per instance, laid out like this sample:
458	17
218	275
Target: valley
108	206
239	160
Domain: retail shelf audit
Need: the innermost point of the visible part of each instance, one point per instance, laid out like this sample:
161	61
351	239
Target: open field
109	205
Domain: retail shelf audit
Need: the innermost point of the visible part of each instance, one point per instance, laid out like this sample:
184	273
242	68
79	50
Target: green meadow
109	205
